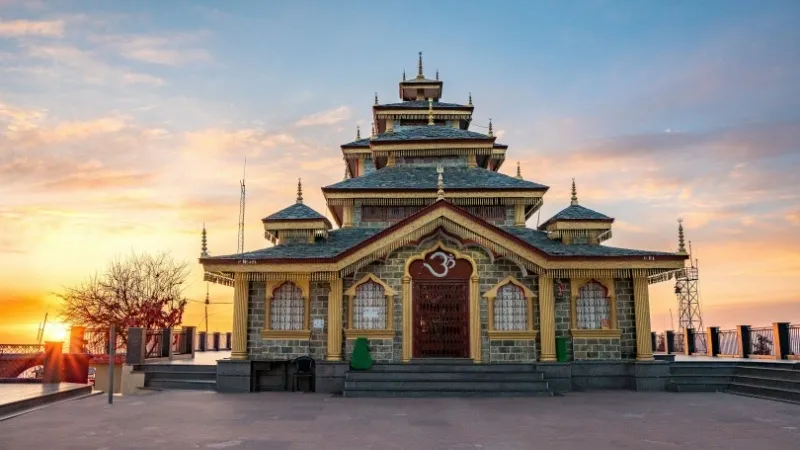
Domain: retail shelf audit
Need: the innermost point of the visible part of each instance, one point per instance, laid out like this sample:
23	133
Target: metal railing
794	339
21	360
154	347
661	343
762	341
180	345
728	342
679	343
700	347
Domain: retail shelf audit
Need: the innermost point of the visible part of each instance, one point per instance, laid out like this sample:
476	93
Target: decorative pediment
387	290
492	293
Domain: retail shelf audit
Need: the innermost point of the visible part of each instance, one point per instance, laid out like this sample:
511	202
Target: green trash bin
561	348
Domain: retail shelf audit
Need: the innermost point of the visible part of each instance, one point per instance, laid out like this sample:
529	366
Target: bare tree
138	291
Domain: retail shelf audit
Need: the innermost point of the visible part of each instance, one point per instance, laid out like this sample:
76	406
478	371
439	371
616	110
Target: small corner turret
577	224
296	224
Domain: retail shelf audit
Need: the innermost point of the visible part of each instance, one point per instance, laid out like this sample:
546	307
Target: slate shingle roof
359	143
298	211
425	132
415	177
337	242
540	240
423	104
575	212
420	80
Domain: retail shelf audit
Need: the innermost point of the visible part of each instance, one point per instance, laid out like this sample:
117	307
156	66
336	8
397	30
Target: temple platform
16	398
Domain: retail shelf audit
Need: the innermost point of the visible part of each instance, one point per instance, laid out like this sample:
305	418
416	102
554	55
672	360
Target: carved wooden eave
459	223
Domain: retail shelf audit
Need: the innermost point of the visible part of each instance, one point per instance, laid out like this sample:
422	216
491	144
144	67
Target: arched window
510	309
369	307
288	309
593	307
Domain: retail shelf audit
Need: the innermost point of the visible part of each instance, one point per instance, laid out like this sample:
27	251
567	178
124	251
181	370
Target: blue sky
129	121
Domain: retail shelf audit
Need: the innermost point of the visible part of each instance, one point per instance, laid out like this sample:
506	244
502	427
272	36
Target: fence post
780	332
217	345
669	341
688	341
134	353
743	332
112	350
653	341
53	356
712	341
166	343
202	341
228	340
190	335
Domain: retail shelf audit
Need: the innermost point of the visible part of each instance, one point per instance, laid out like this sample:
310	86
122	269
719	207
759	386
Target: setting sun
56	332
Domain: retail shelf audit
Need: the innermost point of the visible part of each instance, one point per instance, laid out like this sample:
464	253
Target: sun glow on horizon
56	332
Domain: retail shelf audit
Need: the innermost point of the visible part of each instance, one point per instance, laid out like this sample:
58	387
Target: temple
428	255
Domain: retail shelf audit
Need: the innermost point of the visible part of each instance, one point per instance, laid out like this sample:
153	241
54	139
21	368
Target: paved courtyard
271	421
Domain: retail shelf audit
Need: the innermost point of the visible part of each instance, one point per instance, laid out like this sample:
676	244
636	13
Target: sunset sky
124	126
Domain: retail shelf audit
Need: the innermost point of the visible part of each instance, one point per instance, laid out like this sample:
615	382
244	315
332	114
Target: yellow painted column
347	216
547	319
641	299
475	318
239	331
335	321
407	319
519	214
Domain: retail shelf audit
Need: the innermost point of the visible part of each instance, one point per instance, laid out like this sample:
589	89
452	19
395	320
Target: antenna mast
686	279
240	237
40	334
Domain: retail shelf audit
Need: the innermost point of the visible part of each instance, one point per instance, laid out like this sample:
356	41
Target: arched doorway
441	309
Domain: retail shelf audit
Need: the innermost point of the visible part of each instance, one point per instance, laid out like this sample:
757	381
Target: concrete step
696	387
440	394
772	372
701	379
451	367
199	385
768	381
773	393
712	368
461	386
181	375
13	409
174	368
443	376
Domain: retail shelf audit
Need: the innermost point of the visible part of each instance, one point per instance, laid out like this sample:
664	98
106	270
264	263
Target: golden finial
376	98
681	243
430	112
574	199
470	99
358	132
299	191
519	172
419	67
204	246
440	183
437	74
491	132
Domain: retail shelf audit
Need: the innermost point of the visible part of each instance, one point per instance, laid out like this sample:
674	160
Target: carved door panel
441	319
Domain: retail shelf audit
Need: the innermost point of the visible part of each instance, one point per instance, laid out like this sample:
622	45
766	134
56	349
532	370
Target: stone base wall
596	349
626	317
280	349
561	293
514	350
381	350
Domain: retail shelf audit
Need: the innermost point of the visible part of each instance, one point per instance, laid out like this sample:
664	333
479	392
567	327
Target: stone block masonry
512	351
595	349
561	293
626	318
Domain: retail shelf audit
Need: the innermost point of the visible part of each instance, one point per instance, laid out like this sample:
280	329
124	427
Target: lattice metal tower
686	279
240	237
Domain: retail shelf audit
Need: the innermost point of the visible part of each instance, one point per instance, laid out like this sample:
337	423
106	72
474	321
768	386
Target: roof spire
430	112
574	199
404	74
358	132
440	183
204	246
419	67
208	298
519	172
437	74
470	99
299	191
376	98
681	243
491	132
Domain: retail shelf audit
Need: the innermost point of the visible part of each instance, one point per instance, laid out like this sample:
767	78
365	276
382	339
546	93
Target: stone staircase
711	376
769	381
179	376
446	378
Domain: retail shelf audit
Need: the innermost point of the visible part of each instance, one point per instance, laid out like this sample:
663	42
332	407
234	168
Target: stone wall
256	310
512	350
319	310
623	289
563	317
381	350
595	348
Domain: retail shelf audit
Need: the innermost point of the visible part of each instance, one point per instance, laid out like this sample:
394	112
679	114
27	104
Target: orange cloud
171	50
329	117
16	28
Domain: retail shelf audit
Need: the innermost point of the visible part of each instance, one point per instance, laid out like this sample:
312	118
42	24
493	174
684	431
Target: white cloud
170	50
329	117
